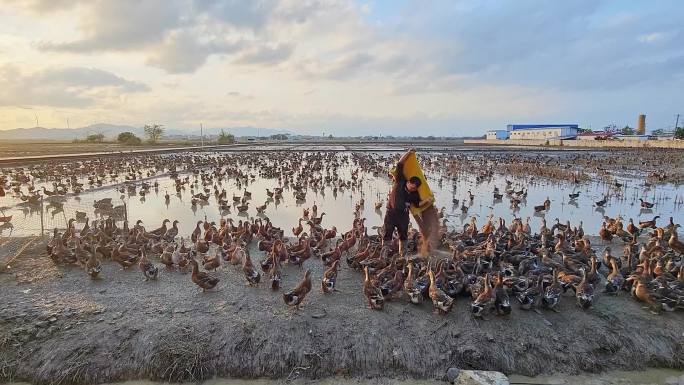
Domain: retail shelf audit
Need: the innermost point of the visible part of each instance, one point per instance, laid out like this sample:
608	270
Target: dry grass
182	355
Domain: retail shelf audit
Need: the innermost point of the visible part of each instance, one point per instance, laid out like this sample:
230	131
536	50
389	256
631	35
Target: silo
641	125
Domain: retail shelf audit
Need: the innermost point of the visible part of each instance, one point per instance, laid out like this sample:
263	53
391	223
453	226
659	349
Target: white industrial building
497	134
543	133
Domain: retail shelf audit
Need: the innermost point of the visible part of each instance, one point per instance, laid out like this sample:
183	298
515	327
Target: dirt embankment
58	326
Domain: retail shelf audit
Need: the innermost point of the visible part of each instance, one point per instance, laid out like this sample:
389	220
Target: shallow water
339	208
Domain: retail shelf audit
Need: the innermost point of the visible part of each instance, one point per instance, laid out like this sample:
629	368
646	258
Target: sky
390	67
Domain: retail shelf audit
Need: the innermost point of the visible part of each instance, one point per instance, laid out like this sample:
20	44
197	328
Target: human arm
399	171
426	202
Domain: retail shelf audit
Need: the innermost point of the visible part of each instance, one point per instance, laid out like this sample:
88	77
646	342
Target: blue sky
347	67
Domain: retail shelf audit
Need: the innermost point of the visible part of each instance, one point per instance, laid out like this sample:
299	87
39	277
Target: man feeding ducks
404	197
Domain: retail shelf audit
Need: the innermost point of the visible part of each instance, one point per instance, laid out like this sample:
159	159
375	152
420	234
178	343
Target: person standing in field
403	194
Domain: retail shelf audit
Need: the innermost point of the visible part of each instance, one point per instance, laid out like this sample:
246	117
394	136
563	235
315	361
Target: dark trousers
398	220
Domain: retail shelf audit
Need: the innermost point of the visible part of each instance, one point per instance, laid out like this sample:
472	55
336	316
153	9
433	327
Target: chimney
641	125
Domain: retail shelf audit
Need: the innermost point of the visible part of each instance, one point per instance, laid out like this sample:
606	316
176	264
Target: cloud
266	54
183	52
253	14
46	6
62	87
123	25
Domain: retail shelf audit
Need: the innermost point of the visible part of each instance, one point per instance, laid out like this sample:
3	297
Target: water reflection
154	204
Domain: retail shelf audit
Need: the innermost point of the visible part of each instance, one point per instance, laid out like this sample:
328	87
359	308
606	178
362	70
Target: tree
679	133
627	130
128	138
154	132
224	138
95	138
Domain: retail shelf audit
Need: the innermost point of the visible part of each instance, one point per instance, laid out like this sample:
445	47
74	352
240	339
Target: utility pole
202	134
674	132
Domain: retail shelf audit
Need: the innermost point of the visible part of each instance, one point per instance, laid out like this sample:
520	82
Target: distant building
632	137
542	131
595	135
497	134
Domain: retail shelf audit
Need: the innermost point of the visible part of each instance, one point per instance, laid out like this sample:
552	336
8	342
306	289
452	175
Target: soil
58	326
33	148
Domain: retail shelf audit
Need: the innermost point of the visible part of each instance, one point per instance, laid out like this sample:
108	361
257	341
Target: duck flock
494	264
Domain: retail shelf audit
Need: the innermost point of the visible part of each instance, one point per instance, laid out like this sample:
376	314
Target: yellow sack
427	216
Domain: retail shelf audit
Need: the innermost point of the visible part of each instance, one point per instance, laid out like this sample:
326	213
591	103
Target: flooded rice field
138	192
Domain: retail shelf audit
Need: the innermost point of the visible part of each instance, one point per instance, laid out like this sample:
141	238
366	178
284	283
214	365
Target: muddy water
339	207
645	377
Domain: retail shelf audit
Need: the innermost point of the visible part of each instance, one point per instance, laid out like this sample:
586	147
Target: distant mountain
112	131
108	130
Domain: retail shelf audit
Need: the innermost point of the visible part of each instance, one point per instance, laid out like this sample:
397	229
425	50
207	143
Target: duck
171	233
295	296
674	242
615	281
574	195
584	292
298	230
251	275
212	263
148	268
161	230
414	291
502	303
441	302
93	266
330	277
632	229
646	205
649	224
202	279
484	303
605	234
602	202
530	298
274	272
197	233
552	294
642	293
372	292
121	256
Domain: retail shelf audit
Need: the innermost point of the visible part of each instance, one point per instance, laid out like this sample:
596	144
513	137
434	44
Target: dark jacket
400	198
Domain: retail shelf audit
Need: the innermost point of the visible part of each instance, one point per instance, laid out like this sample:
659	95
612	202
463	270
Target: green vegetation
224	138
679	133
92	138
154	132
95	138
627	130
129	139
